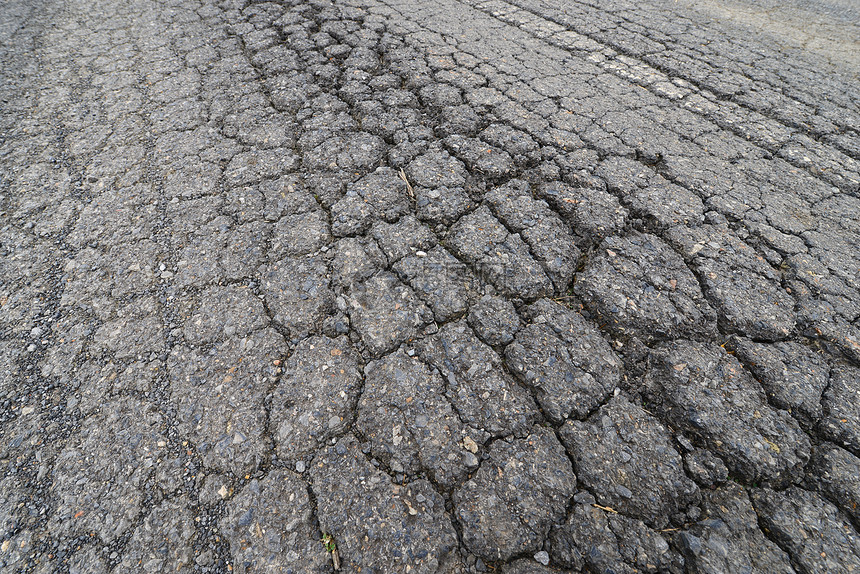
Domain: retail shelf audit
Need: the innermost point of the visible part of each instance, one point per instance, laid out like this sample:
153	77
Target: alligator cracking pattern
406	286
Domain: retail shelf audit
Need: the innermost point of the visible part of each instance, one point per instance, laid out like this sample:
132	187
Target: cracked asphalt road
522	286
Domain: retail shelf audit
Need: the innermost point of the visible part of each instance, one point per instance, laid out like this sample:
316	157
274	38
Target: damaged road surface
413	286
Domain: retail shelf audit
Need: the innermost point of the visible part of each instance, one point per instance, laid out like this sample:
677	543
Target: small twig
408	185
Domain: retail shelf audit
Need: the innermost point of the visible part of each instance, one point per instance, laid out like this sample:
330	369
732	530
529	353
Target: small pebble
300	466
542	557
694	513
470	460
584	497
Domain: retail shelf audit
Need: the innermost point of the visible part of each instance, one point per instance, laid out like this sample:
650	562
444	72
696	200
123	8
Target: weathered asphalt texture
463	285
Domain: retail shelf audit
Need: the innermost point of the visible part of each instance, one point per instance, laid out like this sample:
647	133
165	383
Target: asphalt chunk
833	474
548	237
813	532
374	523
298	293
410	424
126	438
499	257
706	392
447	285
840	423
381	194
650	194
385	313
794	376
602	540
591	211
301	234
494	320
743	288
403	238
270	523
485	397
728	539
638	286
163	540
626	456
507	507
565	360
355	260
244	313
218	393
315	395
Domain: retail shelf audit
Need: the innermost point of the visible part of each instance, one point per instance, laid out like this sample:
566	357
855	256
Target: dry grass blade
606	508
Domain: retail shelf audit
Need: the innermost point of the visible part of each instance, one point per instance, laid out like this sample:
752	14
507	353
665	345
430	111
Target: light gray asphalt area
518	286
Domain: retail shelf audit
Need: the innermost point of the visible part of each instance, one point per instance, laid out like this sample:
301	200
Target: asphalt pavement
430	286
